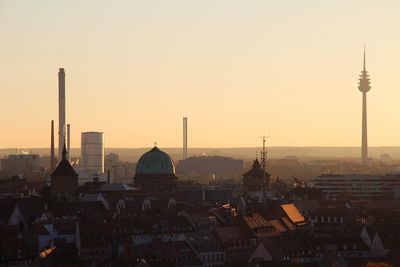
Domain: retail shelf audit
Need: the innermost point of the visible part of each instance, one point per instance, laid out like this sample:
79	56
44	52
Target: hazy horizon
247	153
237	70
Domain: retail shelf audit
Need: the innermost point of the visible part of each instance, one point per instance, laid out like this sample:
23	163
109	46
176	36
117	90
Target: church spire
64	152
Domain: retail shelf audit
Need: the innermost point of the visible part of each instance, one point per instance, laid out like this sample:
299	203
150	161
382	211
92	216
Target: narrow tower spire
64	152
61	111
69	141
185	138
364	69
52	154
264	166
364	86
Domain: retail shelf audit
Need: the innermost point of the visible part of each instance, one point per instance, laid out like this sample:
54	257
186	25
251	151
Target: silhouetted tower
61	112
64	179
185	138
52	153
364	87
264	166
69	142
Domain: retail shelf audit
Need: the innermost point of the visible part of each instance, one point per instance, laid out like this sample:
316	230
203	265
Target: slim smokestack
61	111
69	141
52	154
185	138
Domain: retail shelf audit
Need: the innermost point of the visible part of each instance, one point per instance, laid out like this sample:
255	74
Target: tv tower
364	86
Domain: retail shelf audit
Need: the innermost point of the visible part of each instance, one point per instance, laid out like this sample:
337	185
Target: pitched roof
64	168
177	252
117	187
278	225
288	224
256	171
229	233
256	221
293	213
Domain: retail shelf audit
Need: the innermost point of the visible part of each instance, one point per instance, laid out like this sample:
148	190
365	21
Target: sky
237	69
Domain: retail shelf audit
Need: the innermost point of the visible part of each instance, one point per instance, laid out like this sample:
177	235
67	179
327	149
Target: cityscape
97	173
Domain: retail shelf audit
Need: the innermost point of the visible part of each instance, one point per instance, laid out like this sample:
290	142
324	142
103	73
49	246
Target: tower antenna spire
364	60
264	166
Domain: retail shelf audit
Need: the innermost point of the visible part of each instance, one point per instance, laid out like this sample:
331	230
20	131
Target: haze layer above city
237	70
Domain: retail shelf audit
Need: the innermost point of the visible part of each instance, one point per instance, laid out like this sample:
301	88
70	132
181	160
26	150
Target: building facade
92	152
357	186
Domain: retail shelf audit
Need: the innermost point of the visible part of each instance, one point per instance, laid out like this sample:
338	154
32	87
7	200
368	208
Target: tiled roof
255	221
256	171
177	251
229	233
293	213
288	224
278	225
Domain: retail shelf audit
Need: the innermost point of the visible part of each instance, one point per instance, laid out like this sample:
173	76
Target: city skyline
235	78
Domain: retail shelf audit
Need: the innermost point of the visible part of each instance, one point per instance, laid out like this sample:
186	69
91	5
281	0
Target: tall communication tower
364	85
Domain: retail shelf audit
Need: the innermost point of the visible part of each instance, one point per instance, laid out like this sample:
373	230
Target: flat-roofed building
210	164
357	186
20	164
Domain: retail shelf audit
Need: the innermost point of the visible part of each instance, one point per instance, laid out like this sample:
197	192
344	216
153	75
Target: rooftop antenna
264	154
264	165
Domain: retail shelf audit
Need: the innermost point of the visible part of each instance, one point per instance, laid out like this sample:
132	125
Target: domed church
155	172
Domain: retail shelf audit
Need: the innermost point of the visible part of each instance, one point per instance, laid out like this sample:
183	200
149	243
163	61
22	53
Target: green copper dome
155	161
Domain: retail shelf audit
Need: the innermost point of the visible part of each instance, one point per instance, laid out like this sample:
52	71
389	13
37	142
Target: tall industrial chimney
69	142
185	138
61	111
52	155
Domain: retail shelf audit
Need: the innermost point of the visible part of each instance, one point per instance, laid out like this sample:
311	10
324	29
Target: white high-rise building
92	152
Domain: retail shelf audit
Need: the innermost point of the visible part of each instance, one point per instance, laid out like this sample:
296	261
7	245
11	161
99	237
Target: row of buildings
34	167
158	222
357	186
